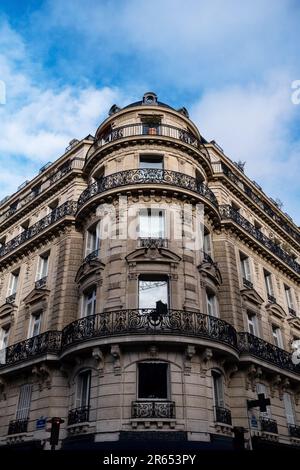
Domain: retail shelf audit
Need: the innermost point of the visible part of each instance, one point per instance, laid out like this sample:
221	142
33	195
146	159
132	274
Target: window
4	336
92	239
151	162
42	269
218	389
252	324
207	243
153	380
268	283
153	289
23	407
152	223
35	324
151	126
235	207
89	303
277	336
289	408
83	389
245	267
261	388
289	297
212	304
13	283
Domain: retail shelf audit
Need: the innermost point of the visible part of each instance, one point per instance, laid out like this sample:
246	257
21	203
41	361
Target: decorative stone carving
43	375
275	384
205	357
98	356
153	351
116	354
253	376
230	370
190	351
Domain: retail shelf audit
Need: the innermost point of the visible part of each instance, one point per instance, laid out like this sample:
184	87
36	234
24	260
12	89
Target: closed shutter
289	409
24	402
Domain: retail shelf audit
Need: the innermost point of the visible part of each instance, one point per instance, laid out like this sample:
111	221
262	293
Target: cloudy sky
230	62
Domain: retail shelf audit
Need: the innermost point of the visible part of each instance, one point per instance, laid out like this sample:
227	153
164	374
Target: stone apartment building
147	337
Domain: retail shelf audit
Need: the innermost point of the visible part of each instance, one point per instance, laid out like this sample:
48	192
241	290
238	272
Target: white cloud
252	124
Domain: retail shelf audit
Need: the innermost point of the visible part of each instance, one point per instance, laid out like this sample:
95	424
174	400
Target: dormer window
150	98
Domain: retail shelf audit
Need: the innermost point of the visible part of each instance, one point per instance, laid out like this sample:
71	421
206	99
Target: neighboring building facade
147	338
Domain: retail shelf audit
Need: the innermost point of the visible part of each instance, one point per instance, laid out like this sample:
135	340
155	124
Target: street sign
41	423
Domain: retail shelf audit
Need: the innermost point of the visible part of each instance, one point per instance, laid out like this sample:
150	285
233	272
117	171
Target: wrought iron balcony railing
147	176
140	129
68	208
271	299
222	415
48	342
10	299
228	212
262	204
18	426
147	409
41	283
149	321
268	352
294	431
248	284
153	242
79	415
268	425
93	255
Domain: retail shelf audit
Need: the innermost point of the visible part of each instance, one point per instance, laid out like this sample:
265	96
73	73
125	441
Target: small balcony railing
41	283
48	342
18	426
147	409
10	299
268	352
68	208
247	284
228	212
93	255
151	242
271	299
149	321
147	176
79	415
268	425
222	415
294	431
140	129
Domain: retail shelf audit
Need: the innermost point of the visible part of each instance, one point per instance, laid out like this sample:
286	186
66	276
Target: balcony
222	415
68	208
228	212
254	346
153	243
294	431
268	425
149	322
18	426
271	299
41	283
247	284
161	130
150	176
10	299
147	409
93	255
262	204
79	415
45	343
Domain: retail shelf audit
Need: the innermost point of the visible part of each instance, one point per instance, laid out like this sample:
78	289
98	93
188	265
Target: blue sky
231	63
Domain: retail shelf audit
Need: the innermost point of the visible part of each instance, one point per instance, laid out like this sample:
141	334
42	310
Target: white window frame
156	278
160	165
277	336
289	296
218	389
92	239
13	283
148	228
269	283
35	324
89	298
252	324
207	244
24	402
83	399
4	337
245	267
289	408
212	304
43	266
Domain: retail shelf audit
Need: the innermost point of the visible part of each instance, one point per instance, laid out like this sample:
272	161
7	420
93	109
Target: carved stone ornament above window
7	312
212	271
276	311
250	296
88	269
157	255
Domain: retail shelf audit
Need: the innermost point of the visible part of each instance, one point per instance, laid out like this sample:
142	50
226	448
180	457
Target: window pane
152	223
151	161
151	291
218	389
152	381
289	408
